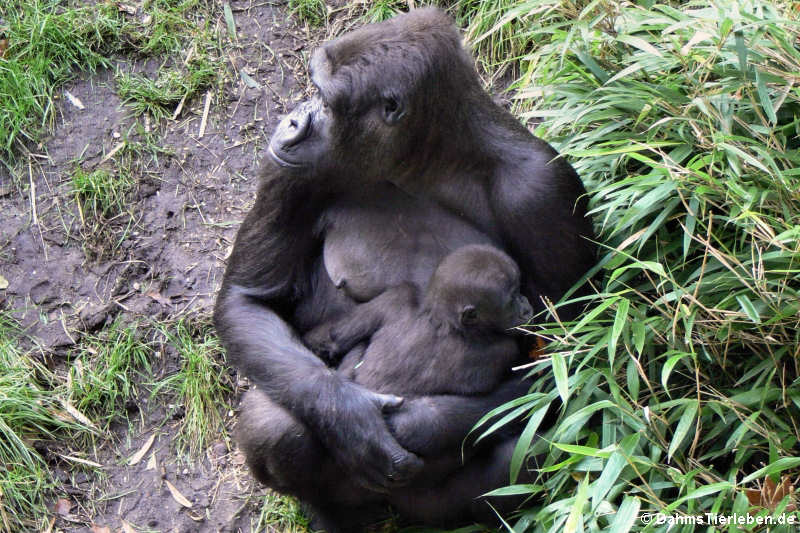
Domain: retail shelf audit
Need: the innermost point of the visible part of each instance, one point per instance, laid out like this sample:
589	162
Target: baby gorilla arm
330	340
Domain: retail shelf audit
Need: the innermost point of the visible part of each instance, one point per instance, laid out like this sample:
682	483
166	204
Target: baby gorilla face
497	309
480	286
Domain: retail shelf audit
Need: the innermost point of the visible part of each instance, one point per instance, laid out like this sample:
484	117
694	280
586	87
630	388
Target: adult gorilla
400	159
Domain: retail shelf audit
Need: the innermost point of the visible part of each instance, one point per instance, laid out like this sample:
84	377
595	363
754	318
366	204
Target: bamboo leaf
684	425
560	375
616	330
626	515
524	442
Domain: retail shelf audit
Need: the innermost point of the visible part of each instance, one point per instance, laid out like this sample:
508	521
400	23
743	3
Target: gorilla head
385	103
476	288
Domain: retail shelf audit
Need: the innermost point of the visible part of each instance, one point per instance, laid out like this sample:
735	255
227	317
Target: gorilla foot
344	519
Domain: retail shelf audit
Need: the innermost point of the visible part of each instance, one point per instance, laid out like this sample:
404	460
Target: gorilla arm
263	271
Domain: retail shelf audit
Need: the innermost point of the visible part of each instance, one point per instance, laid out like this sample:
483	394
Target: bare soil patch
160	259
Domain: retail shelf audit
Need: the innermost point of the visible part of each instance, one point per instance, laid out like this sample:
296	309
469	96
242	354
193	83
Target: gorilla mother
400	159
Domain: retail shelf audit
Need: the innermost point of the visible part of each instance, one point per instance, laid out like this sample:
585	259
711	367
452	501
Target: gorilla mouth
282	162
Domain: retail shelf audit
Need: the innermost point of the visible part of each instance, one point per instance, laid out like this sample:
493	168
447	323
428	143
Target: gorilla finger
387	402
404	469
373	479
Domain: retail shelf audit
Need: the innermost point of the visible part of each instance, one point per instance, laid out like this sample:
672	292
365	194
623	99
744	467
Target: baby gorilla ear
469	315
393	110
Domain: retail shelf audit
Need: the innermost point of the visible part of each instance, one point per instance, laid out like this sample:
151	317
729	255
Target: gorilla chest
369	247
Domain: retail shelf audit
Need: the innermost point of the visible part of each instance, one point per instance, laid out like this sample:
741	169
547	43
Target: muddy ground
161	259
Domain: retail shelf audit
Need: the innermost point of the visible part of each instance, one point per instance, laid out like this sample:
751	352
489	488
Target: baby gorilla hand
320	341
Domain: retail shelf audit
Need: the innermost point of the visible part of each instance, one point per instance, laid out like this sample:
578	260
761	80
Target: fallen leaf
125	8
77	415
74	100
177	496
770	494
127	528
753	496
3	283
249	81
151	463
100	529
63	506
160	299
135	458
226	10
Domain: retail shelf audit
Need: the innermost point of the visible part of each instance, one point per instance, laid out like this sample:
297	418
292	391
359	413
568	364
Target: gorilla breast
400	239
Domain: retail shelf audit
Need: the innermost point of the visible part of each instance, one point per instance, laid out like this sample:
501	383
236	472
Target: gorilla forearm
263	346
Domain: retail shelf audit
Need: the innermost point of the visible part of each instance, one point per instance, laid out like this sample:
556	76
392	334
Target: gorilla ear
393	110
469	315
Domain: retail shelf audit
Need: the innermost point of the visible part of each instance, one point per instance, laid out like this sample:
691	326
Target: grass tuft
103	376
281	513
312	12
30	411
47	46
201	385
100	192
159	97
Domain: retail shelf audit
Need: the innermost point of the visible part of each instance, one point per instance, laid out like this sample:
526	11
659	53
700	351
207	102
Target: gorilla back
400	138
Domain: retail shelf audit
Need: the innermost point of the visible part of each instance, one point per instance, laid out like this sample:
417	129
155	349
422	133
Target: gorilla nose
294	128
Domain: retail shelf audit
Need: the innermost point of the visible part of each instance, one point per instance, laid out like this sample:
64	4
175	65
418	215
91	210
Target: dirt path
161	259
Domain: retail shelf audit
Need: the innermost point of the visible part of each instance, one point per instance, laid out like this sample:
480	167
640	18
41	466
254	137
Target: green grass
281	513
383	9
30	410
104	374
499	31
201	385
679	388
48	46
312	12
101	193
161	96
52	41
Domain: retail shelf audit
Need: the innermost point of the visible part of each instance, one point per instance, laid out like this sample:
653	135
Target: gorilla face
383	106
335	133
301	137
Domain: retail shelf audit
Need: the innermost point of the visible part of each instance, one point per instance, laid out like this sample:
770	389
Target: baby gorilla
454	341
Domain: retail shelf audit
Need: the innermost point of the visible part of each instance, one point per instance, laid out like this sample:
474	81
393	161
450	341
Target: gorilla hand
352	426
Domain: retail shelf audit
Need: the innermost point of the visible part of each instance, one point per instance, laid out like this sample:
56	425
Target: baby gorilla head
476	288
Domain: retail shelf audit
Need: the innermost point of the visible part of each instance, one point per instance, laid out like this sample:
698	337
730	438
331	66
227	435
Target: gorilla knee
279	449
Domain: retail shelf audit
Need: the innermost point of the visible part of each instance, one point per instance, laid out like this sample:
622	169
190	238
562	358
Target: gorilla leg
280	450
457	499
283	454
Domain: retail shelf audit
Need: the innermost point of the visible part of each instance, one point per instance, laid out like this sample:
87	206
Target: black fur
454	341
401	159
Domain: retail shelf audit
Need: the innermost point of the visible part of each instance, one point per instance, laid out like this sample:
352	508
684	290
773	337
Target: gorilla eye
469	315
392	111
